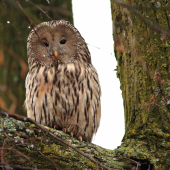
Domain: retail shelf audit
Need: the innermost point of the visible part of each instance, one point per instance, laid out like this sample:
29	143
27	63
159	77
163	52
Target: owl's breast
55	92
68	96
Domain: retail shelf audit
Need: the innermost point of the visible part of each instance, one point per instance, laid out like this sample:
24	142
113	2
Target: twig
17	167
39	9
56	166
16	151
7	19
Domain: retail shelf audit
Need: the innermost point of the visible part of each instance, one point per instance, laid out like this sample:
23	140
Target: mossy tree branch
43	147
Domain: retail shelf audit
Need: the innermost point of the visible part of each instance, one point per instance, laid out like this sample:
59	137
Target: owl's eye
46	44
63	41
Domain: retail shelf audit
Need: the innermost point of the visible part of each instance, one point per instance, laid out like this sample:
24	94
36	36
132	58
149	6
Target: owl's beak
56	54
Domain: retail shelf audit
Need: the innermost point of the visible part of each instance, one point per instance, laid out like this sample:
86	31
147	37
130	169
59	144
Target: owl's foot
56	127
71	134
64	130
80	138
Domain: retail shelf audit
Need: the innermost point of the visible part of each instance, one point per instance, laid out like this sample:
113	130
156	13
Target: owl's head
56	40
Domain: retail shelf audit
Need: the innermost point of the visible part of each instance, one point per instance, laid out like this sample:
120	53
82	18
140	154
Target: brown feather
62	91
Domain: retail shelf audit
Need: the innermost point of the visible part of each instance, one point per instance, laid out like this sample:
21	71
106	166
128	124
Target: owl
62	86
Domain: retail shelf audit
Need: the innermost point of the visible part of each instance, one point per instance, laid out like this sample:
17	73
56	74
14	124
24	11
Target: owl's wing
26	80
97	94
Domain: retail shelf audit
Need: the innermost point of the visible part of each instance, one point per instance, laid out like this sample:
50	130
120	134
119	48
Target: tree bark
142	47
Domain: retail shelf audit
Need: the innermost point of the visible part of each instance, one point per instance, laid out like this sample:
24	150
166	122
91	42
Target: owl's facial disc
57	46
53	37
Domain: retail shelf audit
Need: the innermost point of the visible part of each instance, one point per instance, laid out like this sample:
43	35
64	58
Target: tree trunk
142	50
14	30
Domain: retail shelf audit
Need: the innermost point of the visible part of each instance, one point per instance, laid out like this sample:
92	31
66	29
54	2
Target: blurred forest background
14	30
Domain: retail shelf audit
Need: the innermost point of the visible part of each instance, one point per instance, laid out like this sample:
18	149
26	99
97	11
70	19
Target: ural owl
62	86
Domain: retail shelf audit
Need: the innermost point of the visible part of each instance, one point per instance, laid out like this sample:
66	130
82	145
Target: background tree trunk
142	50
13	41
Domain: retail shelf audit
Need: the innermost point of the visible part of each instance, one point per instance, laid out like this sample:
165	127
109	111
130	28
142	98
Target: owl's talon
80	138
71	134
64	130
55	127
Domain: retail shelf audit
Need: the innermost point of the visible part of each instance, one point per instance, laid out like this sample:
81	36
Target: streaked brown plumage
62	86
